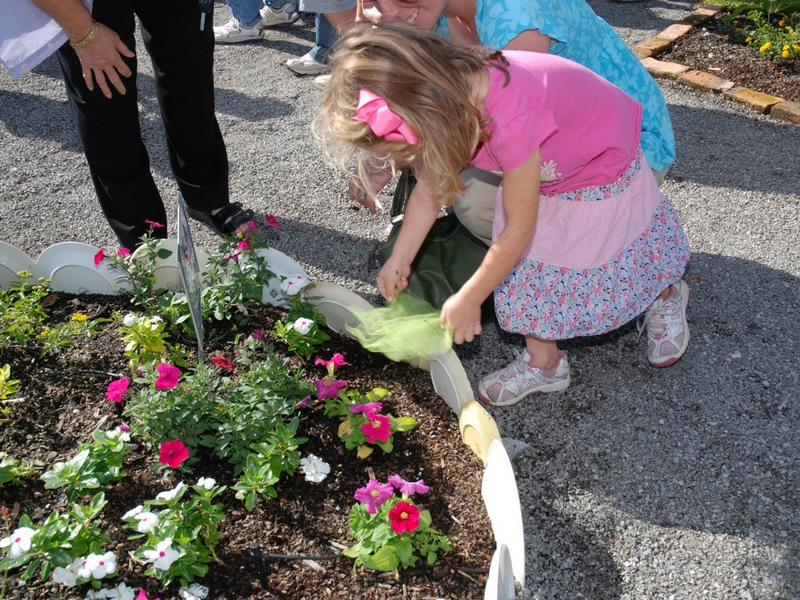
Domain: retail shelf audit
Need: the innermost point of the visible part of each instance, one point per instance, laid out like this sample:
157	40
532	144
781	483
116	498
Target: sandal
226	221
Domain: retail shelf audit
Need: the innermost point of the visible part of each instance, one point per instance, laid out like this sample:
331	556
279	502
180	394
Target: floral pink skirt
599	257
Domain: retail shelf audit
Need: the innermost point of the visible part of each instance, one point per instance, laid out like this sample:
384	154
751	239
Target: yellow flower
785	54
79	317
786	47
796	47
765	47
749	39
781	22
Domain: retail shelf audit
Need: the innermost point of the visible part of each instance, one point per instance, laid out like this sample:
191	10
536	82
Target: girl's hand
102	62
393	278
463	316
377	181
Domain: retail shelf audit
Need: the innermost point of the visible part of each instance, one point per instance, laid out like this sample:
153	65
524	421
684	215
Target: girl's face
420	14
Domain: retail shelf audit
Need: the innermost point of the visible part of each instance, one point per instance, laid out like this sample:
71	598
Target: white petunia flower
171	494
147	522
18	542
294	284
314	468
98	566
133	512
303	325
163	556
193	592
207	482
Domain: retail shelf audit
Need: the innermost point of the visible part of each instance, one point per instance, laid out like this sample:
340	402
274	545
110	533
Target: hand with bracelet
99	49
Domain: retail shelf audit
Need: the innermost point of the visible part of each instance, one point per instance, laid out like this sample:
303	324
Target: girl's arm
532	41
462	311
101	58
422	209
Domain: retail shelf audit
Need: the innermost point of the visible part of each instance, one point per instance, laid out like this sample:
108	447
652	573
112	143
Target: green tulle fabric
405	329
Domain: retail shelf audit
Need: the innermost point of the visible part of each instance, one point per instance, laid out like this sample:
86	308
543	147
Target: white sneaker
306	65
233	33
667	328
322	80
510	385
285	15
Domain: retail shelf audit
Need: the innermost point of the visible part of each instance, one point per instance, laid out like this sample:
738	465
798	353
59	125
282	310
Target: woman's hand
462	316
102	61
393	278
377	181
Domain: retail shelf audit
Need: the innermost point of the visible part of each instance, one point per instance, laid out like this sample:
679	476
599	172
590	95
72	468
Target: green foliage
94	466
257	481
53	339
21	313
770	26
11	472
8	386
61	539
302	344
145	340
189	528
137	274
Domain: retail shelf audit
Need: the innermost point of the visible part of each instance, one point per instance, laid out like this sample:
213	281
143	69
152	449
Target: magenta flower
172	453
222	362
233	257
99	256
124	428
153	224
258	334
123	252
167	376
374	494
366	408
251	226
409	488
143	596
272	221
303	403
328	388
403	517
376	428
244	244
116	389
337	360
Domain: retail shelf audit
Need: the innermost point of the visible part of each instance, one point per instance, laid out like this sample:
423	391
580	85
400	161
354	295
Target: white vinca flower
171	494
130	320
147	522
132	512
314	468
97	566
303	325
294	284
193	592
19	542
207	482
115	433
163	556
68	575
121	592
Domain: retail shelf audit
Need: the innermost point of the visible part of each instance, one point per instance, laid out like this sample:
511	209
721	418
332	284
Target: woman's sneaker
285	15
510	385
233	33
306	65
667	329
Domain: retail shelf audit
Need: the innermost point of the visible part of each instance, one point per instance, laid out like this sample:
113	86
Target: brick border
777	108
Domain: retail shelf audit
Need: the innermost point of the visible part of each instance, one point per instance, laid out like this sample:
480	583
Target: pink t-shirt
587	129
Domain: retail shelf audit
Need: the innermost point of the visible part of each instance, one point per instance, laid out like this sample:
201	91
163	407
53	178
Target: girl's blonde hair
426	81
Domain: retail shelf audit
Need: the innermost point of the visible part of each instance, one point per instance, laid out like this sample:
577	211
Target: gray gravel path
637	482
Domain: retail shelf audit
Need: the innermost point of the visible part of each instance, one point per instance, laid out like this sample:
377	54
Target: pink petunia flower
328	388
272	221
123	252
116	389
123	428
258	335
403	517
251	226
153	224
409	488
233	257
167	376
243	244
374	494
376	428
304	403
366	408
337	360
172	453
99	256
222	362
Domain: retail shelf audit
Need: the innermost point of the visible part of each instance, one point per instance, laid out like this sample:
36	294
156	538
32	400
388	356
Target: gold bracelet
86	37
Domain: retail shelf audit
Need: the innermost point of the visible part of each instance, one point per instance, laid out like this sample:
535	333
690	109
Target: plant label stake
190	274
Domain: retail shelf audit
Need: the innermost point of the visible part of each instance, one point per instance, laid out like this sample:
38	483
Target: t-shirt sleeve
513	142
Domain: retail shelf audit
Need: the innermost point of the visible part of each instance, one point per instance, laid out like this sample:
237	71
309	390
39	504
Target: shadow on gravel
708	450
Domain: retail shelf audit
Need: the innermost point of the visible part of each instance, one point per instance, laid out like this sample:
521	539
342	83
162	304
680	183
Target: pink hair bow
373	110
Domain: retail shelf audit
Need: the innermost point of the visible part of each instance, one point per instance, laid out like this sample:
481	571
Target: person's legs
247	12
326	37
279	12
245	24
111	137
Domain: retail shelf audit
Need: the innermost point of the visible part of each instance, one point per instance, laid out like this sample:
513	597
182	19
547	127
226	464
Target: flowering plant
392	531
68	546
145	339
137	272
180	536
301	331
94	466
10	471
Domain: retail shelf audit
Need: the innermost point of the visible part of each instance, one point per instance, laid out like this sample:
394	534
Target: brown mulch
64	402
714	48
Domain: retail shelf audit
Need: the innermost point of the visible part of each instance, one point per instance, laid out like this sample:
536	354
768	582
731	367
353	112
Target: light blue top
585	38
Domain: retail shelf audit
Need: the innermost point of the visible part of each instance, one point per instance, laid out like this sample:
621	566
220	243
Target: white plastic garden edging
70	267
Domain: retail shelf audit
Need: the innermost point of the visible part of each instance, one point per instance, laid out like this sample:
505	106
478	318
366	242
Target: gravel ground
637	482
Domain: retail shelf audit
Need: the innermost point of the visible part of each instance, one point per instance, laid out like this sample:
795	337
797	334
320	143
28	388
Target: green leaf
404	423
385	559
163	253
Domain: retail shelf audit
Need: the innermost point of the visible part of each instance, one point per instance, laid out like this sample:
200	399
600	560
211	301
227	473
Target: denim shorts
326	6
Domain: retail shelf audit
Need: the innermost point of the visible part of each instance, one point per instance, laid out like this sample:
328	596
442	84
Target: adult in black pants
100	75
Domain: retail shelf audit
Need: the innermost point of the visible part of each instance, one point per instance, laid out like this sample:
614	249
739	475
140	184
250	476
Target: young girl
582	240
